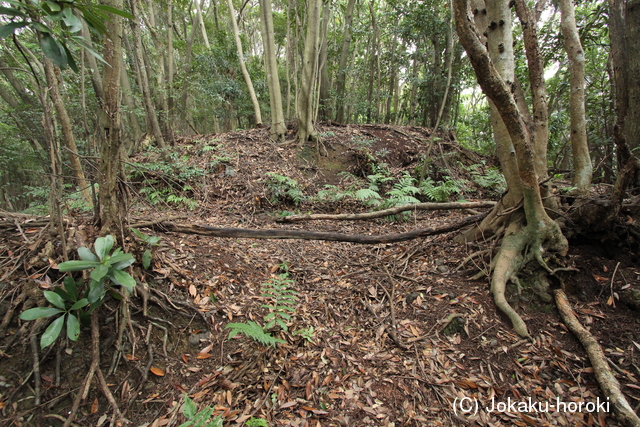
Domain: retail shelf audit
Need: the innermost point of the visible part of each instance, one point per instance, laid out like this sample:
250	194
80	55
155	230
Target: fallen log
391	211
205	230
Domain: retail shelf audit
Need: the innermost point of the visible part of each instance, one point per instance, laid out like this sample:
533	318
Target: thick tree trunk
579	145
243	67
278	128
342	64
306	126
632	33
521	244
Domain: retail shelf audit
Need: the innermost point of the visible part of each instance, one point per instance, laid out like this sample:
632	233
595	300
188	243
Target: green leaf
86	254
64	294
96	292
53	50
39	313
94	22
113	10
123	278
71	287
53	6
189	408
79	304
52	332
73	327
103	246
77	265
100	272
11	27
72	62
73	23
146	259
121	261
54	299
12	12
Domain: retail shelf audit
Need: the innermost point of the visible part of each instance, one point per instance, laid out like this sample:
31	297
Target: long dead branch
608	383
387	212
205	230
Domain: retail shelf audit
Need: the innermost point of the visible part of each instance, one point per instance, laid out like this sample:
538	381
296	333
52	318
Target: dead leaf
289	404
201	356
131	357
192	291
94	406
157	371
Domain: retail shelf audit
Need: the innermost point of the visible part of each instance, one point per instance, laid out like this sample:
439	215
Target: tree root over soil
608	382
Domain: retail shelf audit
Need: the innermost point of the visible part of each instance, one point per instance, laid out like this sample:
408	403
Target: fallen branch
608	383
205	230
387	212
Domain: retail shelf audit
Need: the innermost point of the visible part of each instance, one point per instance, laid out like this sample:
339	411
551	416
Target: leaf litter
401	335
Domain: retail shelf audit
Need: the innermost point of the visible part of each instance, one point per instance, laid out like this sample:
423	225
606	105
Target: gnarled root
520	246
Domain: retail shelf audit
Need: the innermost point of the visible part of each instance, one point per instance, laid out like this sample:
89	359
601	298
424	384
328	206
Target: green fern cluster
441	192
282	189
282	302
281	305
491	179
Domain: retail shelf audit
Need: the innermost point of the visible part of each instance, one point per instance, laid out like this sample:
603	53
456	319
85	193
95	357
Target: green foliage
58	24
306	333
283	189
253	331
256	422
107	269
440	192
492	179
150	241
282	302
167	180
201	418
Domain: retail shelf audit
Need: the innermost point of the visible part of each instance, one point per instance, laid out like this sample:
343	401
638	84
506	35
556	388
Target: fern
253	331
283	188
366	195
282	302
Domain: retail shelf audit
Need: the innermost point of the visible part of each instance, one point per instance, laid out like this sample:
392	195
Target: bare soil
457	353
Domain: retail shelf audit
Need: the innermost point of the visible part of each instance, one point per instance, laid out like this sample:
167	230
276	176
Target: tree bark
306	125
579	144
203	29
243	67
67	130
278	128
143	79
112	195
342	64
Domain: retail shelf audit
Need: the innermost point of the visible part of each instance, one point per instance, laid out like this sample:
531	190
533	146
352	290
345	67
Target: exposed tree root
387	212
608	382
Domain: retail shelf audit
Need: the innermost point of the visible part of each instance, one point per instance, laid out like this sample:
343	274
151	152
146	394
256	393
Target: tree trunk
579	145
632	32
245	73
325	83
170	72
201	24
143	79
342	64
129	103
113	195
278	128
306	126
67	130
521	243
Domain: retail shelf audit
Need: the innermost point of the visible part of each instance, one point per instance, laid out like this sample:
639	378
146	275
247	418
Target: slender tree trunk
278	128
96	79
67	130
325	83
245	73
129	102
170	72
306	126
632	31
143	79
113	195
201	24
342	64
579	144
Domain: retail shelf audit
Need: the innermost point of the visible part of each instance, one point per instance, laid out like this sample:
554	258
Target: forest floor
452	356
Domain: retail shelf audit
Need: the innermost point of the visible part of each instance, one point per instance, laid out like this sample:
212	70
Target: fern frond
366	194
253	331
